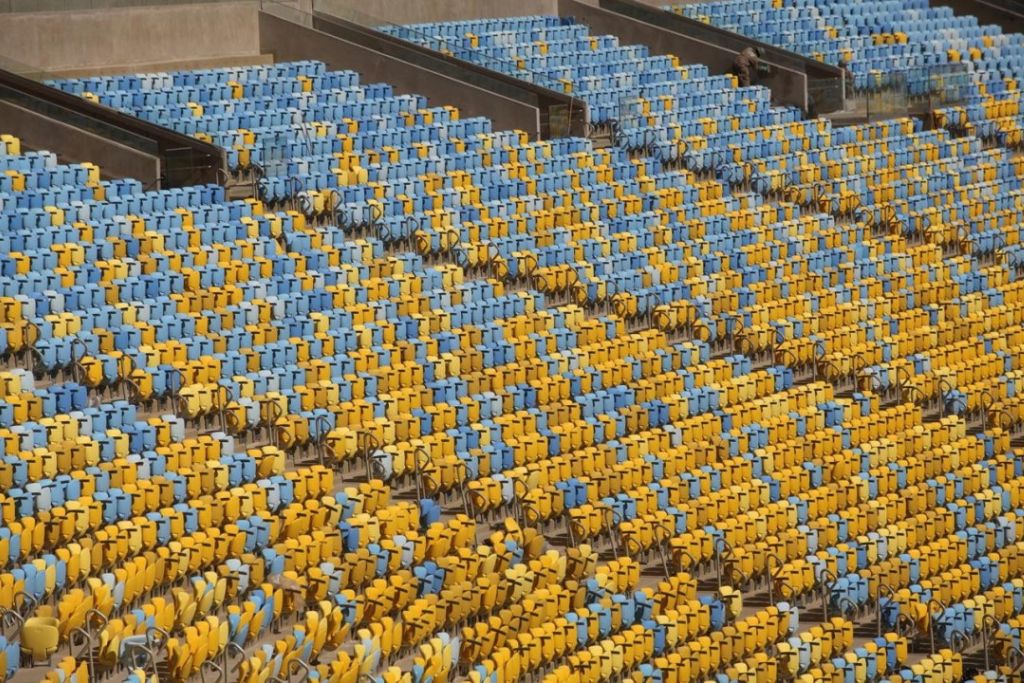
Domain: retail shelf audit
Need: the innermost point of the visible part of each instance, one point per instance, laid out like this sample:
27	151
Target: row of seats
232	535
656	104
971	71
453	367
911	45
559	279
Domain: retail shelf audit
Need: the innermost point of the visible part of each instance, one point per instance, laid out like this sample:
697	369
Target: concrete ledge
376	12
77	145
90	40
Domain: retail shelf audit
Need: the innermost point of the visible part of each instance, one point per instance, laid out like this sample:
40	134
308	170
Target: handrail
295	186
131	652
298	666
520	491
77	367
700	323
155	634
210	664
86	653
718	545
843	600
825	589
28	602
530	264
128	382
909	623
276	413
966	240
305	203
1018	654
946	387
789	358
822	362
322	425
331	211
234	647
632	547
744	344
988	622
620	305
931	626
237	426
376	219
903	378
221	174
479	501
94	616
258	173
890	593
773	574
576	531
612	529
410	226
37	366
668	532
694	562
9	617
175	390
366	445
958	636
461	486
229	394
661	317
421	488
615	128
1008	423
985	401
890	217
739	577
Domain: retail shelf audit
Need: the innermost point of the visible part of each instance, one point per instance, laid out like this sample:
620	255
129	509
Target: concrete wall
375	12
660	4
78	145
288	40
131	38
79	5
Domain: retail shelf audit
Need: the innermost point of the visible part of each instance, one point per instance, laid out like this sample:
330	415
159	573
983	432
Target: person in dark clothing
745	65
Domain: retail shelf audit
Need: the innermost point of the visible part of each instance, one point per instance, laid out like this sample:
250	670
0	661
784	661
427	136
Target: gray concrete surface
413	12
79	5
130	38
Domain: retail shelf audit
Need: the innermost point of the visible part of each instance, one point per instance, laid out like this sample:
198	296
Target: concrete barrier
77	145
423	11
130	38
290	40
